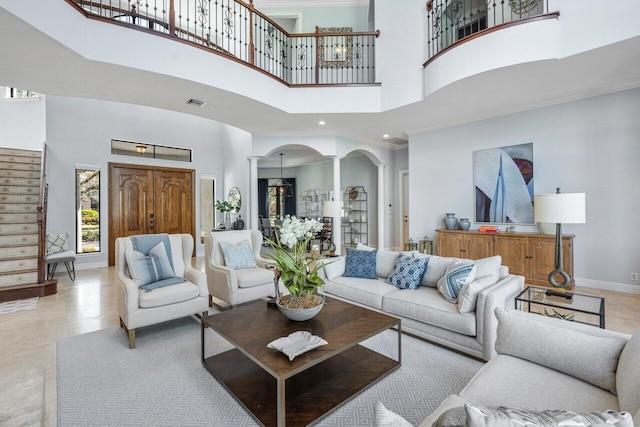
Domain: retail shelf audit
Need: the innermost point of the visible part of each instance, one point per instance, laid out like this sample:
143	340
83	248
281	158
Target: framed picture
503	180
336	51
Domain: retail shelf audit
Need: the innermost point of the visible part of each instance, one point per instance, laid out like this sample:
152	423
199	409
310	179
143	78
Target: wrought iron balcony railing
453	21
233	28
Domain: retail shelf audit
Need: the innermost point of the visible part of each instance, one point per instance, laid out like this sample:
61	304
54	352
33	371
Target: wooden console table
528	254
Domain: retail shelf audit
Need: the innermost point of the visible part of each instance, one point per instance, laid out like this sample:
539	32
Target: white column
337	196
381	215
253	194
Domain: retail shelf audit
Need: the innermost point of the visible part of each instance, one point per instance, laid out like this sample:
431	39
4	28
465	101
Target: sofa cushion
588	356
407	272
468	295
239	255
168	295
628	376
481	416
251	277
360	264
334	267
518	383
428	306
489	266
385	260
458	274
435	269
364	291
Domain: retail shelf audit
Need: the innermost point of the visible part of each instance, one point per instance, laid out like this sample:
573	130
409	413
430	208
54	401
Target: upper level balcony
237	30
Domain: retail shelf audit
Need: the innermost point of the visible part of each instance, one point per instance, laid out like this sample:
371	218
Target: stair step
18	265
4	164
26	160
18	218
9	189
19	198
9	229
18	208
25	182
18	253
20	152
19	278
18	240
11	173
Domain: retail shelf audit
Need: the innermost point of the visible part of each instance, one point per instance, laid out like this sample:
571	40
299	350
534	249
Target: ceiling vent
195	102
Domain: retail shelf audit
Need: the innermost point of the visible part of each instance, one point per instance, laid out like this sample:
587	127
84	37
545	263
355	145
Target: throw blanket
162	283
145	242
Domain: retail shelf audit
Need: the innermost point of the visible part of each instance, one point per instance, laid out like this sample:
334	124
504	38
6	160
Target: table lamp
559	208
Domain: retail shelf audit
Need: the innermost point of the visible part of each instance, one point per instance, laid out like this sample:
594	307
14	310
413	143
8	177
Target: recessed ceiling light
386	135
322	123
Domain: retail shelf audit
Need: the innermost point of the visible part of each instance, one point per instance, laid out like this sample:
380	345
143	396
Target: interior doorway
404	206
147	200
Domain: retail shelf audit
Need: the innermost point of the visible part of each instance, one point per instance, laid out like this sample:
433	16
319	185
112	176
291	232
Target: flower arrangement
299	273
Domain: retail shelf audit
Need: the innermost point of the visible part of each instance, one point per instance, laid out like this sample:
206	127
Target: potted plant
297	269
225	207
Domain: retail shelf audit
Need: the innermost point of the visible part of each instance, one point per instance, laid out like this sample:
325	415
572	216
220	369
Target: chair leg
210	300
132	337
51	270
71	269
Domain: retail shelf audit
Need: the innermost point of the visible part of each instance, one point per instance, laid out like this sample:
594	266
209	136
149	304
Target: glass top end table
584	307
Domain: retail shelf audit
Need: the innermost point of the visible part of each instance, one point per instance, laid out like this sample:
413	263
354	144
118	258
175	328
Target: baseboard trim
608	286
13	293
91	265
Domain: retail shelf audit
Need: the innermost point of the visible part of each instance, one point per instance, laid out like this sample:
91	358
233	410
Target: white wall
79	131
237	149
22	122
589	146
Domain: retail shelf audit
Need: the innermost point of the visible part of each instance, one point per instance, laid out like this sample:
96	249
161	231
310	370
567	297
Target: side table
531	297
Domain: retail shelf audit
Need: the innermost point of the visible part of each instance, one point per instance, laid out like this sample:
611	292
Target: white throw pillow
387	418
458	274
489	267
385	260
468	296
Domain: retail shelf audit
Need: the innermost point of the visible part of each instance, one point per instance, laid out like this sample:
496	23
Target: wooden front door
146	200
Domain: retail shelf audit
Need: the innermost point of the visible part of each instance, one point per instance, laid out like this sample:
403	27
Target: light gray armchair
138	309
236	286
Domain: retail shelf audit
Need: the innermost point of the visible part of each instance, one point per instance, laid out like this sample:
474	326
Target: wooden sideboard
528	254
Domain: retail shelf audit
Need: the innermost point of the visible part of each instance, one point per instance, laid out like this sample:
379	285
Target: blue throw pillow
145	269
361	264
408	272
238	256
458	274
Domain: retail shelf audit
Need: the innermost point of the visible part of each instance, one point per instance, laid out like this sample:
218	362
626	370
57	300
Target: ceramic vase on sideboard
450	221
464	224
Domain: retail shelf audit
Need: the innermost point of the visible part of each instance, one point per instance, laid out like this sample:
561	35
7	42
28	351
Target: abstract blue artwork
503	179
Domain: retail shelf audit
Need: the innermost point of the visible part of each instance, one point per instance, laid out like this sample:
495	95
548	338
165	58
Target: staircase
20	176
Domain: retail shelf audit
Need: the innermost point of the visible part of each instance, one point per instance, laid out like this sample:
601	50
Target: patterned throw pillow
57	242
458	274
407	272
145	269
480	416
360	264
387	418
238	256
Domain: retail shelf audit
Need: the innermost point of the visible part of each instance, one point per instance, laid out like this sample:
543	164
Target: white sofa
551	364
424	311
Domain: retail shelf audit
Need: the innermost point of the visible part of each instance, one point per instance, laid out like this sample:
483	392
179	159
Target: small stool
68	257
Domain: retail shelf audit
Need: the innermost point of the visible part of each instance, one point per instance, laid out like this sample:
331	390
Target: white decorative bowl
300	314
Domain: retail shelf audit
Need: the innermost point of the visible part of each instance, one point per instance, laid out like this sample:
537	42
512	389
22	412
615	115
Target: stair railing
235	29
42	218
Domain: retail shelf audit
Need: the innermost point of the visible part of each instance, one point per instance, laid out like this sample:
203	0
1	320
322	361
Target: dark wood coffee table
279	392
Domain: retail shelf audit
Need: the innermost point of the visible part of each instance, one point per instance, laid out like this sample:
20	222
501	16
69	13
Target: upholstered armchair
139	307
226	281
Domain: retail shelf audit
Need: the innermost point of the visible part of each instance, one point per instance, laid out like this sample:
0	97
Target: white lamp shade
331	209
563	208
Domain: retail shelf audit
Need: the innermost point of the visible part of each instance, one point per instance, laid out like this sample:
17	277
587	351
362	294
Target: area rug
163	383
18	305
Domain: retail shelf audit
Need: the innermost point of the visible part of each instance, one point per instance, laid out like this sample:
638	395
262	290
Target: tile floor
28	388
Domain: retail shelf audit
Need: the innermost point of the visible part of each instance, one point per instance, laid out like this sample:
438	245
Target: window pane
88	205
